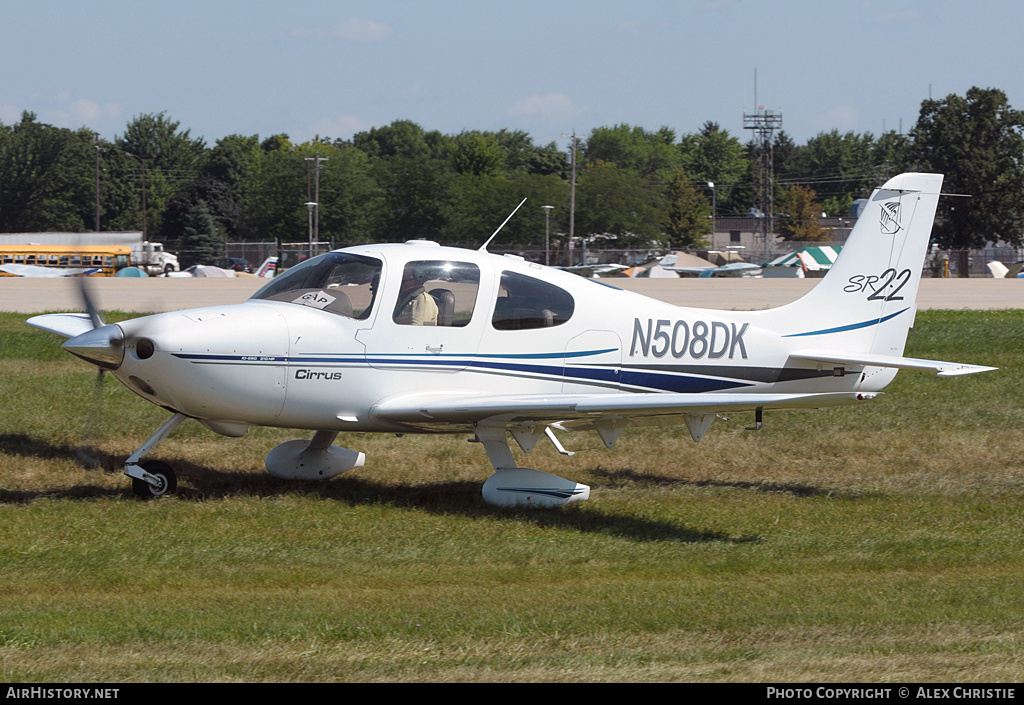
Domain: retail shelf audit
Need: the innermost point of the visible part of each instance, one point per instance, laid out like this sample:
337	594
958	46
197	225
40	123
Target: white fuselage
282	363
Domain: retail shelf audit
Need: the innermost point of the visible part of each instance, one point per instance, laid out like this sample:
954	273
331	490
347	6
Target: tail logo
890	218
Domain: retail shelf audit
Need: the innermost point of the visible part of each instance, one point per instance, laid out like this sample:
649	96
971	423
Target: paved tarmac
156	295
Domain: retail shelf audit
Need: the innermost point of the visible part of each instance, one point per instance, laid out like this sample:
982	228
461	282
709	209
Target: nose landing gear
153	478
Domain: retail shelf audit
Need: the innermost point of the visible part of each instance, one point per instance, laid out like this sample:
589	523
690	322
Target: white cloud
551	106
842	118
341	127
353	29
84	113
357	30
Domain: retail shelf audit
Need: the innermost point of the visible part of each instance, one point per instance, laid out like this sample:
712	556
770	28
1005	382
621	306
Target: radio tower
764	123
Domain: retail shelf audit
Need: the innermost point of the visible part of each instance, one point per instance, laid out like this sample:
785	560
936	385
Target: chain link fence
939	263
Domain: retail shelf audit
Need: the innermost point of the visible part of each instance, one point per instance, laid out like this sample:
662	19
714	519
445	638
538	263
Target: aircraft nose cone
103	346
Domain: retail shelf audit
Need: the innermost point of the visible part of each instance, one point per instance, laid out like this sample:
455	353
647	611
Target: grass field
880	543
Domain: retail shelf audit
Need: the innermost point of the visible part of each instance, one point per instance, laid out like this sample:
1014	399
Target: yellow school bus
105	259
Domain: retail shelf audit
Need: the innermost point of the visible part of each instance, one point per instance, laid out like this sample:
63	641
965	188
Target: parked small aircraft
1001	271
35	270
418	338
266	270
733	269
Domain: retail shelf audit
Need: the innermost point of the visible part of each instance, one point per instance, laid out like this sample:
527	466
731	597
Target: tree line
400	181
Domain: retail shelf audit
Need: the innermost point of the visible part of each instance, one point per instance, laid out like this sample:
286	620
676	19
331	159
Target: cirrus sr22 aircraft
418	338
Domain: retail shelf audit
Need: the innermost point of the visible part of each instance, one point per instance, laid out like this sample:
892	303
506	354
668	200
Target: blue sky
336	67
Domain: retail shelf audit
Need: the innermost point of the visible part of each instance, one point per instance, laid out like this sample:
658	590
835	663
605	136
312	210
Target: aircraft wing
33	270
438	410
690	270
592	270
944	369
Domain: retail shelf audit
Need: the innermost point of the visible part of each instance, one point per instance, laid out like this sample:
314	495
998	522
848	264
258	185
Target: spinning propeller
95	407
103	345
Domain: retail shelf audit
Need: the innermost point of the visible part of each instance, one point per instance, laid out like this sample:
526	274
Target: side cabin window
336	282
525	303
437	293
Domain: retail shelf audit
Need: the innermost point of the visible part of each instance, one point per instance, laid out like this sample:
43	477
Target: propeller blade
89	301
89	430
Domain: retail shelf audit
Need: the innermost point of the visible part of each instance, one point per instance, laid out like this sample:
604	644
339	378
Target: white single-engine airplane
418	338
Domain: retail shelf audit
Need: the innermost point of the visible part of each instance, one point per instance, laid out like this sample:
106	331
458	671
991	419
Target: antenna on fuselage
483	247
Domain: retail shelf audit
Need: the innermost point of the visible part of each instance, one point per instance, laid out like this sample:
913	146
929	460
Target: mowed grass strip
880	542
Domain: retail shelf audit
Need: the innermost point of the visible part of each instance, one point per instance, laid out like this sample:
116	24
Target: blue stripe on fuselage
498	363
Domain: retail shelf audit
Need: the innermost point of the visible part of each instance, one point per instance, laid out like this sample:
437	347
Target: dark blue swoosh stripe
852	326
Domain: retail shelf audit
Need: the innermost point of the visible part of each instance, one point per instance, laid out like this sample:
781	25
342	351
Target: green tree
402	138
523	157
713	155
200	242
892	155
417	195
650	155
477	153
689	213
165	157
232	158
223	181
207	193
46	177
281	182
614	201
481	203
839	164
800	216
976	142
120	197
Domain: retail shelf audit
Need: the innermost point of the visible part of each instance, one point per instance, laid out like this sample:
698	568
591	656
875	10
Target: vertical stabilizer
867	301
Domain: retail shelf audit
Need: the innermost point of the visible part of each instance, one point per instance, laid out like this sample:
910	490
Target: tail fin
998	269
268	268
867	301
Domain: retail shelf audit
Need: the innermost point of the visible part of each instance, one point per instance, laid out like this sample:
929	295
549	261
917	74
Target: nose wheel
153	478
159	480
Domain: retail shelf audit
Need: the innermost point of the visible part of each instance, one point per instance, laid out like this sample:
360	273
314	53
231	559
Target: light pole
96	144
143	163
572	195
547	235
316	194
714	204
310	205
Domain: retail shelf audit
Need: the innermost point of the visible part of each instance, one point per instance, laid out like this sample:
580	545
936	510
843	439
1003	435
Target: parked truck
153	259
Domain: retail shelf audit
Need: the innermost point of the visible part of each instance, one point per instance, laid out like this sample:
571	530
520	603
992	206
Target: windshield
336	282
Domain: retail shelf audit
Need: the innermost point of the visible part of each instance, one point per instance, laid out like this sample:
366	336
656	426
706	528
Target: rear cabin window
525	303
437	293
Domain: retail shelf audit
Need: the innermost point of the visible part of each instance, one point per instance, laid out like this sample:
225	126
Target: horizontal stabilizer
67	324
944	369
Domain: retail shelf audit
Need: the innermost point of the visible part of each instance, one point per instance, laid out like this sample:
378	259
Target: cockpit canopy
337	282
431	292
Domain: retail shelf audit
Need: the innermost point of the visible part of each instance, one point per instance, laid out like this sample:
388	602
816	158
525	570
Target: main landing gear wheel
168	481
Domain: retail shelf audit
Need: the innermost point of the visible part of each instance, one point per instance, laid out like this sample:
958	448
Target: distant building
744	234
